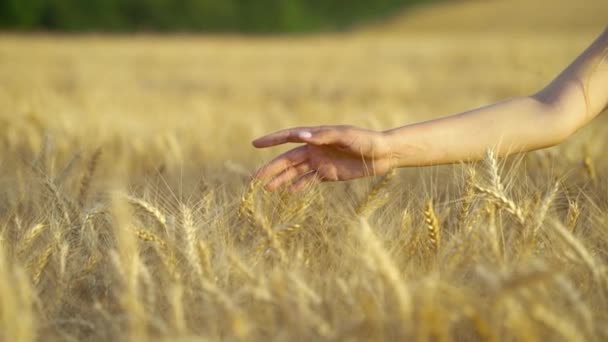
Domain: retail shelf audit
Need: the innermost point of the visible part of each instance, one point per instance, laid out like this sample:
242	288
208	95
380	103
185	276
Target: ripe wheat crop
127	210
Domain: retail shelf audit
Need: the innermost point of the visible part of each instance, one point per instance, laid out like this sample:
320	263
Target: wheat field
127	211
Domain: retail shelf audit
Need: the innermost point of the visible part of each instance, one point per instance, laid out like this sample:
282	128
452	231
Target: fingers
298	134
320	135
288	175
308	179
282	162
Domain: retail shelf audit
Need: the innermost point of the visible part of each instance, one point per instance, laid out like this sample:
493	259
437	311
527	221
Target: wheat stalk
176	299
247	209
372	201
589	165
90	263
85	181
544	207
273	240
31	235
166	255
191	239
497	191
241	267
204	255
432	225
386	268
577	247
152	211
560	325
573	214
60	201
40	263
148	236
294	212
504	202
469	193
288	230
493	170
62	176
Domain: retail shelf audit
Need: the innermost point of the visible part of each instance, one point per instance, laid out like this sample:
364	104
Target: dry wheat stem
387	269
204	255
241	267
552	320
60	201
577	247
274	242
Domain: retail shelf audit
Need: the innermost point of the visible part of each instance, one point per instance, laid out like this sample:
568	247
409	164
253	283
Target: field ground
126	211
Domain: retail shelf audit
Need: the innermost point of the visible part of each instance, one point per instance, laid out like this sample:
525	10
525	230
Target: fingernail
305	135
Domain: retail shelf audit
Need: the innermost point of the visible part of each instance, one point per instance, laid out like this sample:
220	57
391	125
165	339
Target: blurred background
261	16
272	16
146	72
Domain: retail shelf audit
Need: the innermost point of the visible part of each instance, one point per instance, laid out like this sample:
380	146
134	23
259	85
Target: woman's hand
330	153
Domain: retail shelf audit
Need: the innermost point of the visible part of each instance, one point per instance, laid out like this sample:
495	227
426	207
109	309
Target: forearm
520	124
514	125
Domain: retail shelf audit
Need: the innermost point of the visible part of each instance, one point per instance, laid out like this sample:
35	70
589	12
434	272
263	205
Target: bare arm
332	153
544	119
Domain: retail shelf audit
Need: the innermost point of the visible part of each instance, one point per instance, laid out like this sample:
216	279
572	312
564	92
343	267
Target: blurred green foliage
192	15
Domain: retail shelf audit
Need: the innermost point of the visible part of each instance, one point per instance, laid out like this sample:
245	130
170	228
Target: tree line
255	16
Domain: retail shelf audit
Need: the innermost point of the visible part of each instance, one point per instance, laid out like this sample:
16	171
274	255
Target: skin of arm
519	124
543	119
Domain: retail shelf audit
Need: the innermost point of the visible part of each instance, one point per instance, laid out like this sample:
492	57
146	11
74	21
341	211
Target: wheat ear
154	212
148	236
37	267
372	200
493	170
544	207
432	225
573	213
247	209
60	201
504	202
469	192
191	239
85	181
274	242
589	165
31	235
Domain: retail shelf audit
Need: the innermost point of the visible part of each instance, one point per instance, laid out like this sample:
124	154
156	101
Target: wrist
390	149
403	149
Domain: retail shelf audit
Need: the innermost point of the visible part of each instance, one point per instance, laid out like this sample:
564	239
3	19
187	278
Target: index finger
297	135
284	161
